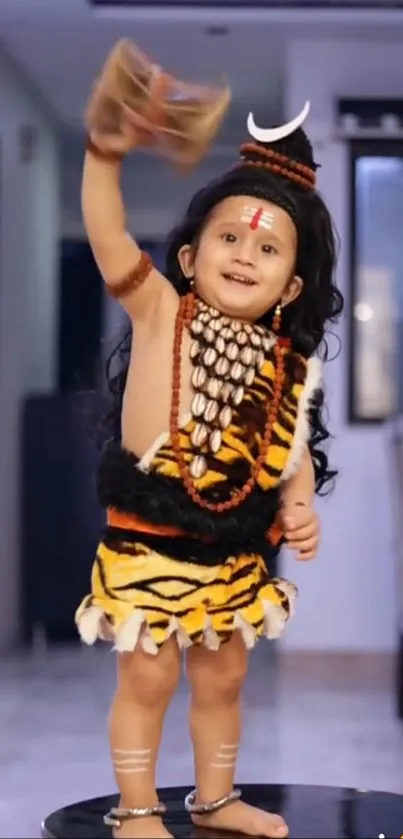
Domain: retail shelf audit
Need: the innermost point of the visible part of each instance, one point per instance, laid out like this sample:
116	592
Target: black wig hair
305	321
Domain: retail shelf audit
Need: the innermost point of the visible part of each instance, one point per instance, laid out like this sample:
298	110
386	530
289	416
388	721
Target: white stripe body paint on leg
226	756
128	761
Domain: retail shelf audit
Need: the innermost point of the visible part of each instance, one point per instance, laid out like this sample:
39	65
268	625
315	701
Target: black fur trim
164	501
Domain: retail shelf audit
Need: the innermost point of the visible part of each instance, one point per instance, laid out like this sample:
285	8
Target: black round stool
312	812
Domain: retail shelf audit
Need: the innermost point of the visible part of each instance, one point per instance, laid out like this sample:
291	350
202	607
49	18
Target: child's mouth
240	279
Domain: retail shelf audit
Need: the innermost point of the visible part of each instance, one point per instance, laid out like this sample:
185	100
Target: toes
277	828
280	831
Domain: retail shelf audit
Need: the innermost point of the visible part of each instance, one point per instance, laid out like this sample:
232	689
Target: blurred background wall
30	211
52	305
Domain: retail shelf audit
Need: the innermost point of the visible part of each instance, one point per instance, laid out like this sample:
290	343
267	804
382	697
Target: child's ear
292	291
186	261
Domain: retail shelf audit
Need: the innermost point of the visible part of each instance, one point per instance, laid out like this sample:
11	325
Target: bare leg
216	680
146	684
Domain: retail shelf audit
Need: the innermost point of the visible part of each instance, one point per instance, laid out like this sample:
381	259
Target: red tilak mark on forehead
256	218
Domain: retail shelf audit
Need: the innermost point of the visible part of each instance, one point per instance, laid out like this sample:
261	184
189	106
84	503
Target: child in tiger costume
214	455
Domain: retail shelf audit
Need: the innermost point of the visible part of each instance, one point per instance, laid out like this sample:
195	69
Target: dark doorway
80	317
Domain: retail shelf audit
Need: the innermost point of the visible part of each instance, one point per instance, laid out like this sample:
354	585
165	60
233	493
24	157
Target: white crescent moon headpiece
271	135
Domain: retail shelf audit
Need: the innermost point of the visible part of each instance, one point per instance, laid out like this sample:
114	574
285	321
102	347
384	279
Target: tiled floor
309	720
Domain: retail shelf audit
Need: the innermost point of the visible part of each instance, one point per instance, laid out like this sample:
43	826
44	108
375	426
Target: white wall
347	597
155	195
29	230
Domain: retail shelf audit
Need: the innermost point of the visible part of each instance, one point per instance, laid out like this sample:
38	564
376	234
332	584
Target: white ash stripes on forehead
257	217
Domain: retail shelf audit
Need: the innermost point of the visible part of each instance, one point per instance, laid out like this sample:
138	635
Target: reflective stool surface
312	812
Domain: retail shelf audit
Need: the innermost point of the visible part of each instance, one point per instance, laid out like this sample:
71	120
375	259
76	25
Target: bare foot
240	817
145	828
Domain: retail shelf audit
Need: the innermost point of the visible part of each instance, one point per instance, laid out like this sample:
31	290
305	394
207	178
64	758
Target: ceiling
317	4
61	45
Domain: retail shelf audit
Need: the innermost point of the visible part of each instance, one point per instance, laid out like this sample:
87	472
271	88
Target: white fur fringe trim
312	383
135	629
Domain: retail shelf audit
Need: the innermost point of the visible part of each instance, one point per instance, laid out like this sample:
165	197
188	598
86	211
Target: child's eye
228	237
268	249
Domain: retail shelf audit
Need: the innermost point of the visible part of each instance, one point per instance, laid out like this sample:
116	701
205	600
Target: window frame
359	148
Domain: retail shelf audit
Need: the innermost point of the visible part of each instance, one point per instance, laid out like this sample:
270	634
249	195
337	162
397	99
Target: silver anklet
213	806
118	815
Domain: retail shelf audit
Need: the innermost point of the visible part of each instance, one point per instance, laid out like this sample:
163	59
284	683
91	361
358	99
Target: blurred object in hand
135	104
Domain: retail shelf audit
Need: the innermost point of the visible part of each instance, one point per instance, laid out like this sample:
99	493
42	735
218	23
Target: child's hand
301	529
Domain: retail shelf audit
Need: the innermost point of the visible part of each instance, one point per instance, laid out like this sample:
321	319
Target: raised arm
135	104
129	277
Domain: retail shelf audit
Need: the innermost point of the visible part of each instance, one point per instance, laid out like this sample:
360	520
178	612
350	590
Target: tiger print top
151	487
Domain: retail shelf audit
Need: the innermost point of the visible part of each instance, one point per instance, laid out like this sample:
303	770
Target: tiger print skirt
142	596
